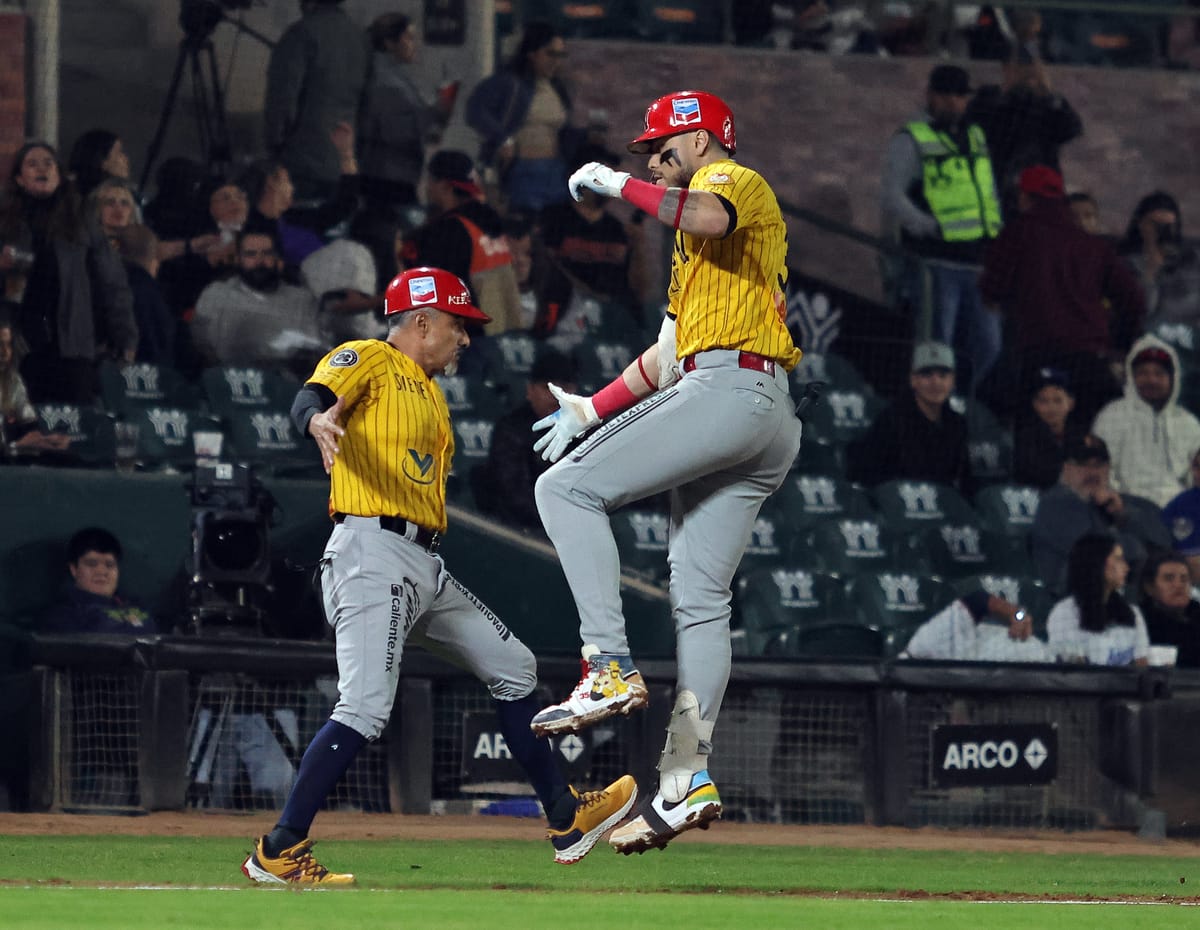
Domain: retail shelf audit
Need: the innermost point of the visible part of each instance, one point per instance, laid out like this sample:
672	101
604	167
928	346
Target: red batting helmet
431	287
684	111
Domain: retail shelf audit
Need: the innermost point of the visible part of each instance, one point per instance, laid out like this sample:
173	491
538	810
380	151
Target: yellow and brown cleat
596	812
293	866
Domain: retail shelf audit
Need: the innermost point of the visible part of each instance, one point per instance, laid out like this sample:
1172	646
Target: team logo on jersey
1182	528
719	178
344	359
685	111
418	467
422	290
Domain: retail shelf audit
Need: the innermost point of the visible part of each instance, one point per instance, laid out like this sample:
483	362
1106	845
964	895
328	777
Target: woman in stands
1094	624
18	420
96	155
76	306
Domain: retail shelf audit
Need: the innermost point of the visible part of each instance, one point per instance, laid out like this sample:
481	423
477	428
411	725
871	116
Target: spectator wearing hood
1150	437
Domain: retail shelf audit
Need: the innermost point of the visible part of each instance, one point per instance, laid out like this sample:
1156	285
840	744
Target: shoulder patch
719	178
344	359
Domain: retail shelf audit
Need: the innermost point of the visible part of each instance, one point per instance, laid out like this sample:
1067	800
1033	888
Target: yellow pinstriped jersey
398	445
729	293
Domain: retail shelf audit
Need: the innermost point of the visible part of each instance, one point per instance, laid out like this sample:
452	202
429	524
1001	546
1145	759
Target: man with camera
383	430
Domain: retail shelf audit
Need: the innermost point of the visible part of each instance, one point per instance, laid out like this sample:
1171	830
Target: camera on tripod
198	18
230	585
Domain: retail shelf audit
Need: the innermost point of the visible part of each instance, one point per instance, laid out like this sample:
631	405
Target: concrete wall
12	83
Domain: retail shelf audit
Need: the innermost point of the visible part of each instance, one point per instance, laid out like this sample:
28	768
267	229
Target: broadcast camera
230	584
198	18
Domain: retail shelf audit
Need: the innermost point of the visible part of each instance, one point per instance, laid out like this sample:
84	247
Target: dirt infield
387	826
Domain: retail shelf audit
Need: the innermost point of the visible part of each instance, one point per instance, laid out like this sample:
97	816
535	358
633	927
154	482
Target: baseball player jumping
719	433
383	429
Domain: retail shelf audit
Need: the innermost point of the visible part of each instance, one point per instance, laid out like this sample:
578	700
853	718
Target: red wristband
613	398
643	195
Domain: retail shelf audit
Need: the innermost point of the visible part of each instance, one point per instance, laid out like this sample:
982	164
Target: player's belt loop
427	539
744	360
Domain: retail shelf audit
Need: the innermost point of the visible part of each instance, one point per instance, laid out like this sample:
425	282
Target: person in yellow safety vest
939	201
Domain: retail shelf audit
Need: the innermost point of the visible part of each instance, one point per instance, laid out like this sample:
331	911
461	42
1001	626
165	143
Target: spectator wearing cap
465	236
1026	123
1182	519
939	201
1054	283
1150	436
503	486
1084	501
1046	430
918	436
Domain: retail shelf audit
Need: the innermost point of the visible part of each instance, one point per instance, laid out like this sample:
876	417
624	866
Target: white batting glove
600	178
574	417
668	364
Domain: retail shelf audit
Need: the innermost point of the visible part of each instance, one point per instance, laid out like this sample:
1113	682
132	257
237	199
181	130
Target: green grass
49	882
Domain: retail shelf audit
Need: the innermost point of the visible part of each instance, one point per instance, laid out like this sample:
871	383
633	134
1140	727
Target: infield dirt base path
347	826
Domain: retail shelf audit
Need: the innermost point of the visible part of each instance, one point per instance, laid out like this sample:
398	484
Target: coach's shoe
658	821
596	812
294	866
610	685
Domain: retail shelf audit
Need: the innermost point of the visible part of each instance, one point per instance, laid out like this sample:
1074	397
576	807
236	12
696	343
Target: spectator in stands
399	117
1172	617
89	603
1087	212
113	205
1046	430
138	246
270	192
176	208
599	256
1150	436
504	485
518	230
96	155
1025	122
918	436
1055	283
939	200
76	305
1084	502
255	318
1167	267
523	116
960	632
316	80
1094	624
1182	518
465	236
341	275
19	433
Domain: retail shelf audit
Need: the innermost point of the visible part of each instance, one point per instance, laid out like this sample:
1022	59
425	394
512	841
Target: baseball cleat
294	866
610	685
658	821
596	812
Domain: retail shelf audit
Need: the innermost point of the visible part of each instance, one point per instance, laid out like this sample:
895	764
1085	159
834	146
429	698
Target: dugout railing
164	723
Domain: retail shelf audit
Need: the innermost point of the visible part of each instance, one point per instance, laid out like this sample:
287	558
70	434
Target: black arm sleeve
732	211
977	603
310	399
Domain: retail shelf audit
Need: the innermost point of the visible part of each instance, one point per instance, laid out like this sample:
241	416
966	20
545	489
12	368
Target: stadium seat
911	506
90	430
963	549
602	361
843	414
1025	590
472	397
852	545
829	641
806	499
892	600
769	600
1008	508
641	537
229	388
267	438
838	373
165	435
472	441
991	455
979	417
818	456
125	389
508	359
770	541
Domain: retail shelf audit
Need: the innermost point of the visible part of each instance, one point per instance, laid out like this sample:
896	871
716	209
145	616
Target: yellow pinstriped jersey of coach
729	293
398	445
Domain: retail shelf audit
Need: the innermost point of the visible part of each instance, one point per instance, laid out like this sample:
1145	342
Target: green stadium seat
472	397
641	537
125	389
829	641
844	414
1008	508
852	545
991	456
90	430
806	499
770	600
602	361
911	506
230	388
165	435
890	600
1028	591
267	438
963	549
819	456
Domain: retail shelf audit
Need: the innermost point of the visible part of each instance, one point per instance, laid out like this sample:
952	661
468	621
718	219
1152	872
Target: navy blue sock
534	755
326	760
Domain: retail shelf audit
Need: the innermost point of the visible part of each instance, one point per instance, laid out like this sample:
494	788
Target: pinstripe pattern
728	293
398	445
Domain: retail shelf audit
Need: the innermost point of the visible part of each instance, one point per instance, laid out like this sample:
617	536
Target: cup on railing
126	446
1163	655
207	444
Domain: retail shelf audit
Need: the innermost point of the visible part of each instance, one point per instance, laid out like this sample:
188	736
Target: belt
425	538
744	360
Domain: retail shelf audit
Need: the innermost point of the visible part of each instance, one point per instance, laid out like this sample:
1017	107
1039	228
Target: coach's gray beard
451	368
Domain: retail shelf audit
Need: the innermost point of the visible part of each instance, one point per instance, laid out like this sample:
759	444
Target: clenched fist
600	178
